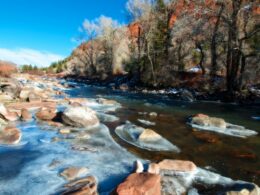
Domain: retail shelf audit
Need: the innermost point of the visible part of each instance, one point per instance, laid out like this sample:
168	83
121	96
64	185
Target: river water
25	169
233	157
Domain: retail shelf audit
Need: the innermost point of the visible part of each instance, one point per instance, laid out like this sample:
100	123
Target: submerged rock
84	186
80	117
144	138
140	183
10	136
204	122
74	172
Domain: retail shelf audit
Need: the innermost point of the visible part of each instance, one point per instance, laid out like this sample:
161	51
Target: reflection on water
233	157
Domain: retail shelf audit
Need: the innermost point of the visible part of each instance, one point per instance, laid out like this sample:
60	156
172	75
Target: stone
46	114
153	114
204	120
177	165
254	191
124	87
26	115
80	117
139	168
33	97
140	184
7	115
84	186
153	168
149	135
10	136
74	172
31	105
107	102
64	131
217	122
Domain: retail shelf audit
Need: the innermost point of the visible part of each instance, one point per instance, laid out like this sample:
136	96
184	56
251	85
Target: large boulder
46	114
80	117
10	136
140	183
177	165
84	186
72	173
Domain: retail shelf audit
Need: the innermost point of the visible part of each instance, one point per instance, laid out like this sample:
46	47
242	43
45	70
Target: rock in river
140	183
7	115
80	117
10	136
204	122
144	138
46	114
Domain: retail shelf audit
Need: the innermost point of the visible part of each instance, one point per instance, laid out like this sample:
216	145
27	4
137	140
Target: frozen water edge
130	133
230	130
31	161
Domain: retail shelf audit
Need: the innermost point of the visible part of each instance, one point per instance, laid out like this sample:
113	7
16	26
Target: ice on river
131	133
25	169
231	130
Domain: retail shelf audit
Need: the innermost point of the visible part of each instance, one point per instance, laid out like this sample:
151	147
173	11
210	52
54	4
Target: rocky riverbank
81	156
185	92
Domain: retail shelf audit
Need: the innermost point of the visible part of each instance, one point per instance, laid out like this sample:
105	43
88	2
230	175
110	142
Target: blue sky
45	28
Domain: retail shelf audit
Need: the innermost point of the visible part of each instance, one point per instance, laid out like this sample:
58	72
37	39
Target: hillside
208	45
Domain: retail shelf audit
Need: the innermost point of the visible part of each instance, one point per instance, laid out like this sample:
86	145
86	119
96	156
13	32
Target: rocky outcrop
80	117
140	183
10	136
254	191
72	173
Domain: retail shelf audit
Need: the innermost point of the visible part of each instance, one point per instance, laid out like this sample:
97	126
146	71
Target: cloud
23	56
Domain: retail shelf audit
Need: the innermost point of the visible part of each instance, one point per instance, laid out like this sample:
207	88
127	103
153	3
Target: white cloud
29	56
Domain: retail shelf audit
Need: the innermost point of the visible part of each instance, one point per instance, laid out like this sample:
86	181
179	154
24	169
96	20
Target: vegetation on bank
166	41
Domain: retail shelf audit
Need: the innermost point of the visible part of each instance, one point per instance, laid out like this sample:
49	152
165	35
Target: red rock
25	115
10	135
46	114
201	115
140	184
177	165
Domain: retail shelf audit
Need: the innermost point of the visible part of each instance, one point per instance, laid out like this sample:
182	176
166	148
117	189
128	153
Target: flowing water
237	158
29	167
